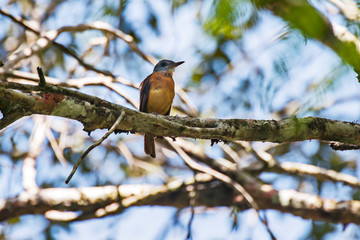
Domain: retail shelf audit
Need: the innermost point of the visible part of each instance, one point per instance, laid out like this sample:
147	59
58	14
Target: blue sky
182	37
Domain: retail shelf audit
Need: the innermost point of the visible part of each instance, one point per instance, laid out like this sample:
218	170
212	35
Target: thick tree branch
95	113
95	202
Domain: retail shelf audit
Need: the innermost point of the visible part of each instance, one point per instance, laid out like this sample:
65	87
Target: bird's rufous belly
160	100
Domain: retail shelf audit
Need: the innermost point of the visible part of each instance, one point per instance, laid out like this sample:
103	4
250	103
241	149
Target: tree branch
49	37
319	173
96	202
95	113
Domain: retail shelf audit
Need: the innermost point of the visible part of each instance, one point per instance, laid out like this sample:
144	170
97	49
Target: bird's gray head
166	65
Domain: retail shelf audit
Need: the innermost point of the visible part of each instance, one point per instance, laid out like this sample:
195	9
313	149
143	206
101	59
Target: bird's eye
163	64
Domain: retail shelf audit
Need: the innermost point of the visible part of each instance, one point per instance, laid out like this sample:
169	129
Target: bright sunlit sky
181	36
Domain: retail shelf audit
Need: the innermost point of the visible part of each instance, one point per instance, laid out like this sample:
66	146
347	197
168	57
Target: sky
181	37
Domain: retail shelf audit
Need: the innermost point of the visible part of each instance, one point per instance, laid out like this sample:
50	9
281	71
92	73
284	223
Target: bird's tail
149	145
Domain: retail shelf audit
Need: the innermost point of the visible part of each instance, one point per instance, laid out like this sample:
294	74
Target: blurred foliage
230	18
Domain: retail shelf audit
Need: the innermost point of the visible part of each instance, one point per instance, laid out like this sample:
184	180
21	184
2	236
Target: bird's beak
177	64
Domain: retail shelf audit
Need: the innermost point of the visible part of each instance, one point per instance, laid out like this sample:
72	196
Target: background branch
109	200
289	73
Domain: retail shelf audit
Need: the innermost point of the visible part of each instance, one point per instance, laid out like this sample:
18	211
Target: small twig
265	221
82	62
42	81
193	196
302	169
97	143
55	146
342	146
101	26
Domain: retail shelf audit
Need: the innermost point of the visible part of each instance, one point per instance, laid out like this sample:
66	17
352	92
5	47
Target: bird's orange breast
161	93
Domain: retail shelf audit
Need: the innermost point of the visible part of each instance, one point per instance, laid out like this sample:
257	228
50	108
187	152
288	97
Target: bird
157	92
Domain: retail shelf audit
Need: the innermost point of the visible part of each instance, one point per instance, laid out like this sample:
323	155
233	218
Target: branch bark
97	202
95	113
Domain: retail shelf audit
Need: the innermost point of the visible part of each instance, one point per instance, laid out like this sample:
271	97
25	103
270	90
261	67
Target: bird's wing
144	93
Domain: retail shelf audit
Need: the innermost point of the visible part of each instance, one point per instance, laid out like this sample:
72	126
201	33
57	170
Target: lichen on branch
95	113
